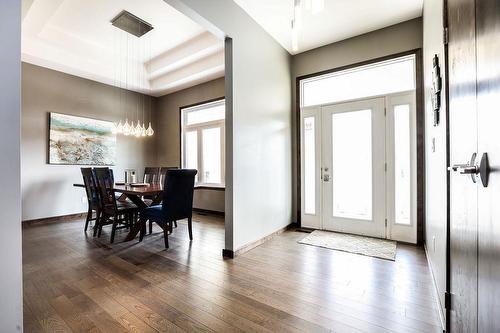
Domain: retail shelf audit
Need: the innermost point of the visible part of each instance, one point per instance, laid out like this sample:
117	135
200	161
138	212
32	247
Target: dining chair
177	203
151	175
161	180
163	173
113	211
94	203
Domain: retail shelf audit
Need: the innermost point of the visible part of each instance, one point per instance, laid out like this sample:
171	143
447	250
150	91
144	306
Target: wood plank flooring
76	283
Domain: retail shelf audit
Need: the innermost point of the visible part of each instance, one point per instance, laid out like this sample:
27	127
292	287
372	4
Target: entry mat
367	246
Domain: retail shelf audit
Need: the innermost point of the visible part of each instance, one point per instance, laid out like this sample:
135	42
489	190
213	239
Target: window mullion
201	174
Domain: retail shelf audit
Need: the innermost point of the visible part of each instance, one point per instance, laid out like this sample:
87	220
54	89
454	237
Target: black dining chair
151	175
112	211
177	203
161	180
163	173
92	192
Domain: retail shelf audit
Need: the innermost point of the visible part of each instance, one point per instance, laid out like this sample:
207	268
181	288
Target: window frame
183	129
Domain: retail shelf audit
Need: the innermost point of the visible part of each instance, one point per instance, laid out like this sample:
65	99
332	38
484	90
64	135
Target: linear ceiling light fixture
135	53
314	6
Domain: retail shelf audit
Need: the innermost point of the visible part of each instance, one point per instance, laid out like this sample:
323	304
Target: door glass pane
363	81
309	166
352	164
191	154
402	175
212	155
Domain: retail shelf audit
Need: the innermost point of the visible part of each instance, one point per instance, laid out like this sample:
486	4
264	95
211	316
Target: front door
474	99
353	167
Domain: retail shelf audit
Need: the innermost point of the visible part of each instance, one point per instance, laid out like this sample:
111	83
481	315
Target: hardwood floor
76	283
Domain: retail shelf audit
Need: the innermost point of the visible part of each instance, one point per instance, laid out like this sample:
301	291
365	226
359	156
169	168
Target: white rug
367	246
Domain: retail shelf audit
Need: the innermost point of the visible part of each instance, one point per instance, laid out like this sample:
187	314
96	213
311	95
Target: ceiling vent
131	24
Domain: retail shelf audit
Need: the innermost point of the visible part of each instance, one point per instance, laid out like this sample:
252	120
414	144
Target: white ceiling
340	19
76	37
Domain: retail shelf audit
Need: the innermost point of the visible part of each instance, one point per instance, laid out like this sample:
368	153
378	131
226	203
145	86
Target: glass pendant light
149	131
143	130
119	128
126	128
138	129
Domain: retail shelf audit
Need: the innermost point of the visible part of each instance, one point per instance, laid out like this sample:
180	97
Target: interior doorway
358	157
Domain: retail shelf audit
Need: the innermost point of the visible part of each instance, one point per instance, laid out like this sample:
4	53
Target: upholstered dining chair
177	203
113	211
94	204
161	180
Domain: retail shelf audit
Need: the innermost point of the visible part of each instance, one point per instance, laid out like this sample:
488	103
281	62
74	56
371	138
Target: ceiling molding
77	38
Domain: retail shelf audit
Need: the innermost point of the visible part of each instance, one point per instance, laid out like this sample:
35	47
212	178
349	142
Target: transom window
381	78
203	142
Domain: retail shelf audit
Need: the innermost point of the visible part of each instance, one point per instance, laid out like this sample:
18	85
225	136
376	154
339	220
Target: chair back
163	173
152	175
178	194
105	184
90	186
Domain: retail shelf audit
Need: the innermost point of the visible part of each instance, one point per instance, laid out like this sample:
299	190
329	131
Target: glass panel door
352	154
353	167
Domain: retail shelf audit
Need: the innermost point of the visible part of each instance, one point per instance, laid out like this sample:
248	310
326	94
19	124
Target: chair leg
150	227
190	228
175	223
165	235
102	220
97	221
143	222
113	229
89	216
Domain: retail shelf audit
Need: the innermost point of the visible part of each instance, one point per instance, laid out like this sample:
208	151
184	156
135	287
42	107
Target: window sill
210	187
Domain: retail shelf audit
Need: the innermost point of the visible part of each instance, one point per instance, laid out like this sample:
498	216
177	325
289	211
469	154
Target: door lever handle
467	169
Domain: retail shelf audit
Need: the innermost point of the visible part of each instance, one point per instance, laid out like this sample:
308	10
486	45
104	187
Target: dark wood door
488	113
463	143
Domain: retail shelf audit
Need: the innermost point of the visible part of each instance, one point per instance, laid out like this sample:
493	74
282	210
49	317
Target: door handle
484	169
467	169
325	175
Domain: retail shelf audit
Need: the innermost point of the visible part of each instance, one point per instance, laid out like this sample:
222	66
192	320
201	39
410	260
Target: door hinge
385	166
447	300
445	36
386	222
385	111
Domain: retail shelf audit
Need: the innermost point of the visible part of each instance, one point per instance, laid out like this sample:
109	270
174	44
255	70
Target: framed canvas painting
81	141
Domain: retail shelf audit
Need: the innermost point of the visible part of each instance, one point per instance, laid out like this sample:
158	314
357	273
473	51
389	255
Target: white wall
47	189
435	160
10	196
258	93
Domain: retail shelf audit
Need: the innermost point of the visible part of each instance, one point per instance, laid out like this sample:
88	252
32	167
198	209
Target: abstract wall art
80	140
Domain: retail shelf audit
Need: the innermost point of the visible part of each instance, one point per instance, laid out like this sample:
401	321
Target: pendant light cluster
132	50
314	6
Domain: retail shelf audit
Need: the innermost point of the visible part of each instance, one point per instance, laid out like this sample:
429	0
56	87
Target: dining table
137	194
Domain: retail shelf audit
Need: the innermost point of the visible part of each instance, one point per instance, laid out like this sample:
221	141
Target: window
381	78
203	141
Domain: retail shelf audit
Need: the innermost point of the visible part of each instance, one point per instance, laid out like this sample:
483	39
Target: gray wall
168	139
258	133
10	132
47	190
398	38
435	168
